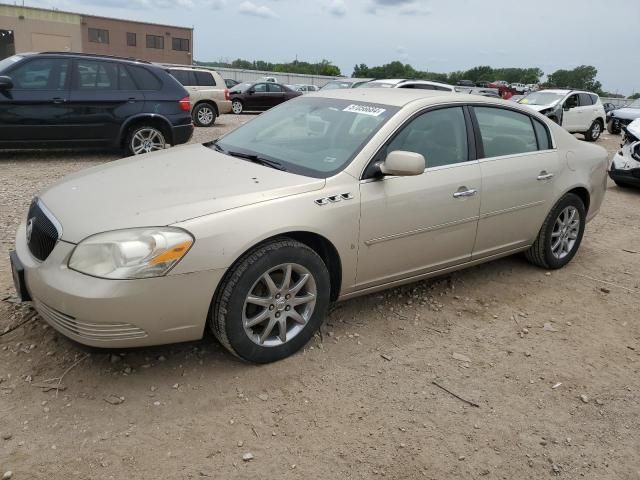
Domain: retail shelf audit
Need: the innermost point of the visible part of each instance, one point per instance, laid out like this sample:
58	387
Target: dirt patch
552	360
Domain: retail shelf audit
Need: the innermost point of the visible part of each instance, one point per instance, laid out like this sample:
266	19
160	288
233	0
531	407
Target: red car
259	96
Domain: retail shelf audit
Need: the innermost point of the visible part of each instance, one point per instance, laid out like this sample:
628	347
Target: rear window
144	78
205	79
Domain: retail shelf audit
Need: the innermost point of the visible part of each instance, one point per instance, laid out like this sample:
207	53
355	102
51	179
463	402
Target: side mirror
251	91
6	83
566	107
403	164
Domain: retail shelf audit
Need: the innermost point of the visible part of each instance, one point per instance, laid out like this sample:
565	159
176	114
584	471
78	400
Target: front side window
505	132
98	35
96	75
316	137
180	44
572	101
41	74
439	135
155	41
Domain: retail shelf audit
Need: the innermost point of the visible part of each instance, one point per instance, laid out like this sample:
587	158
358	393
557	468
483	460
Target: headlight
545	111
133	253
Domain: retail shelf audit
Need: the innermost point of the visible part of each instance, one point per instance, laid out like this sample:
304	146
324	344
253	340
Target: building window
155	41
98	35
131	39
181	44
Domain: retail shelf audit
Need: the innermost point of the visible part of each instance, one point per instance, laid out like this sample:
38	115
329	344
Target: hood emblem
333	199
30	223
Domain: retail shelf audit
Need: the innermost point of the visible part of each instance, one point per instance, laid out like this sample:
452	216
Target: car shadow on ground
76	155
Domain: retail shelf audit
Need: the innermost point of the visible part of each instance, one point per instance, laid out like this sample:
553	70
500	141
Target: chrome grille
90	331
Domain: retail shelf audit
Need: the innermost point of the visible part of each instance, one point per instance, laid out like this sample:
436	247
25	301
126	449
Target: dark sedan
259	96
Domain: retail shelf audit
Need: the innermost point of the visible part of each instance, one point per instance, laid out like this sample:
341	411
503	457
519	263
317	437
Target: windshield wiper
256	159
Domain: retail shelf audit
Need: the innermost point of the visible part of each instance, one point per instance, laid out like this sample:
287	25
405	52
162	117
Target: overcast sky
438	36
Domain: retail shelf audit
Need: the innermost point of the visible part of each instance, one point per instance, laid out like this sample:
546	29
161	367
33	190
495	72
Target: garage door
43	42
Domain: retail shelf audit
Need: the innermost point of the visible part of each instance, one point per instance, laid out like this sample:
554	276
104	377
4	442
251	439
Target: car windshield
336	84
377	85
7	62
316	137
241	87
635	104
542	98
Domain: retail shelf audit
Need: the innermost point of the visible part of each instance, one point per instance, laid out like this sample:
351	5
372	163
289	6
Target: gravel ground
551	360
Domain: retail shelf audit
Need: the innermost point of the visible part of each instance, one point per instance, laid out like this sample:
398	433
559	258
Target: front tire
594	131
237	107
204	115
612	128
561	234
145	139
271	301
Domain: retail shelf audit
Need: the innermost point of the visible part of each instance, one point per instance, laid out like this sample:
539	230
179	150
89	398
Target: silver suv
207	90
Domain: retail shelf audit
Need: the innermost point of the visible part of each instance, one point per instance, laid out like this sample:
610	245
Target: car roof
400	97
351	79
564	91
87	55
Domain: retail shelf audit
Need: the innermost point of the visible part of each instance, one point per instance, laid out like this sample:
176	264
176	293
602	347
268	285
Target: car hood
626	113
163	188
538	108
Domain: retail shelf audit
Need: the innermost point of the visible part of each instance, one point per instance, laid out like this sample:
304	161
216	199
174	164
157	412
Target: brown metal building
27	29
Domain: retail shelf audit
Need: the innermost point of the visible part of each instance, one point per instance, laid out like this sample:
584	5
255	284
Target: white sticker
365	110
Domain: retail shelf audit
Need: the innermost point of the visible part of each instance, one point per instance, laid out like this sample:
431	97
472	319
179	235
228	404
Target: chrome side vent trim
333	199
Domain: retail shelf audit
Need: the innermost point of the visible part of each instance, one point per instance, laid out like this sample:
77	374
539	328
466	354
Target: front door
103	95
258	97
413	225
518	178
35	110
572	115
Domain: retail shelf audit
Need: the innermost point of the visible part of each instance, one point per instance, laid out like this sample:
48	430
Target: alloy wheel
595	130
147	140
565	232
205	115
279	305
236	106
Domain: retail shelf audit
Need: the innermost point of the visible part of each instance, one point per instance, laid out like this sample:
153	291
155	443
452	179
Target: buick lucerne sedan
321	199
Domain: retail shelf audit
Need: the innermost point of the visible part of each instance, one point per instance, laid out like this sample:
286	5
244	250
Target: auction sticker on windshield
365	110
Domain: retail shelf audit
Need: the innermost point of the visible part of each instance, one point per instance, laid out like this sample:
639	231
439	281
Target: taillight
185	104
226	94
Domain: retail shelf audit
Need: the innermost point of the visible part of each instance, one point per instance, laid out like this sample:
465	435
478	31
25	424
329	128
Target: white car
575	110
405	83
520	87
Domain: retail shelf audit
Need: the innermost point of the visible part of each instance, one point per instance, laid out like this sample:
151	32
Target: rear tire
204	115
262	314
144	139
237	107
622	184
594	131
561	234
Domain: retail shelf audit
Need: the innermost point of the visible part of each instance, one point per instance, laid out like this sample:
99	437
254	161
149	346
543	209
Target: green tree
634	96
582	77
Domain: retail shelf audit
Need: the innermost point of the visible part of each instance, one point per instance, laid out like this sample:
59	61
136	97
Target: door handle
545	176
58	100
465	193
132	99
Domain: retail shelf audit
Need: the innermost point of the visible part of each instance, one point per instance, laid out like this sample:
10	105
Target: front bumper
116	313
624	170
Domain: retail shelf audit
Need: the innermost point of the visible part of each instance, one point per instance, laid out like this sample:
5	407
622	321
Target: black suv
80	100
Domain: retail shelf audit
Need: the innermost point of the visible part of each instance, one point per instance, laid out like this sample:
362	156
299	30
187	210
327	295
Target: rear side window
205	79
41	74
505	132
585	99
594	98
544	143
125	82
275	88
145	80
185	77
96	75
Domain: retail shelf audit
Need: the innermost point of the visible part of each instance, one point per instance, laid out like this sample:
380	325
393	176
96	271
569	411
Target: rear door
36	109
103	96
276	94
518	169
